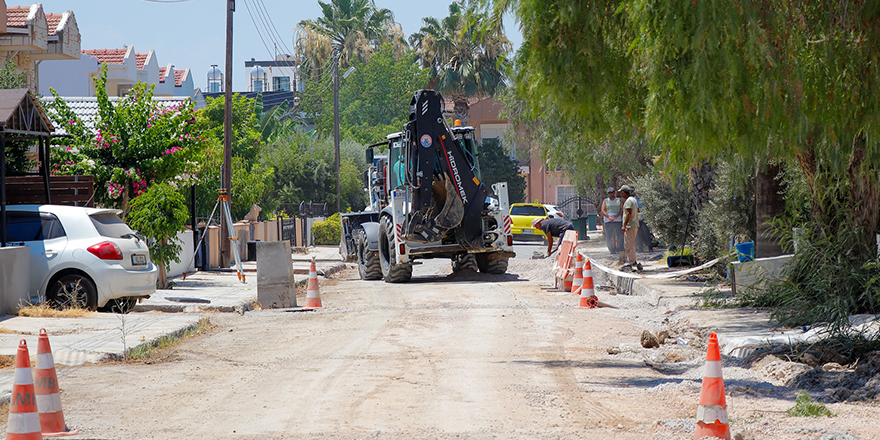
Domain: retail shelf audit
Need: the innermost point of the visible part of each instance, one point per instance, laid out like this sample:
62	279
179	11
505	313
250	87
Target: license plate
139	260
527	231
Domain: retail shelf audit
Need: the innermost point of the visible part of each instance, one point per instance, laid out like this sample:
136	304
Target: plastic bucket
745	251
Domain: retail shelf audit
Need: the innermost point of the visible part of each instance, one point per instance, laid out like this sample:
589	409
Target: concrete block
748	274
15	284
275	280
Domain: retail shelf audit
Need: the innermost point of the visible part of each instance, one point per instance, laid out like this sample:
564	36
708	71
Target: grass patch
47	311
805	406
7	361
152	351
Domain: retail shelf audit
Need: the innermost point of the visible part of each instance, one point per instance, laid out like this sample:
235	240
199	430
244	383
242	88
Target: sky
192	33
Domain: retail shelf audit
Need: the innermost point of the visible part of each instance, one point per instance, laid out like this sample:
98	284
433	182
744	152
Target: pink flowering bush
136	143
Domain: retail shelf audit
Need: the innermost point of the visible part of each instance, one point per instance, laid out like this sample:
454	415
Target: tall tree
767	79
465	52
373	101
349	29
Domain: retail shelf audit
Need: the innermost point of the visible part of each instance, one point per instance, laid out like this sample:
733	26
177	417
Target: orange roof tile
53	20
16	16
178	77
162	74
141	59
108	56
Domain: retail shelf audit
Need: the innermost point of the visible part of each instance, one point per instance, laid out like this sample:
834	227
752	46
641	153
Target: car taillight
106	251
510	240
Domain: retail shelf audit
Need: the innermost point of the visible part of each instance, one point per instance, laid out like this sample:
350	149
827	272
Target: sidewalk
740	331
221	291
99	336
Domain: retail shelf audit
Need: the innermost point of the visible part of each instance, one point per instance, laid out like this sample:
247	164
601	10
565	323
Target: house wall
68	77
541	185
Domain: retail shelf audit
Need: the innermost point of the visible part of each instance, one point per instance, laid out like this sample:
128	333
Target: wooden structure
65	190
21	117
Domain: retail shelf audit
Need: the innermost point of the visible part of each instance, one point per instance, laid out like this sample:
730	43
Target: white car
86	256
554	212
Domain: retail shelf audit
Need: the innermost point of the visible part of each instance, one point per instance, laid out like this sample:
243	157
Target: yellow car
522	215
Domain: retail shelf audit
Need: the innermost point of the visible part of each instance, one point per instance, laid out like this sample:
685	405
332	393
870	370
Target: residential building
542	184
31	38
278	75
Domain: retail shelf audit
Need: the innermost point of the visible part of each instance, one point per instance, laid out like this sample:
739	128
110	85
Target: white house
278	75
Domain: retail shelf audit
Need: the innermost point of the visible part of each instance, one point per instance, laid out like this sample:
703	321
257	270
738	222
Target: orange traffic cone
313	296
578	281
589	300
24	420
712	412
48	397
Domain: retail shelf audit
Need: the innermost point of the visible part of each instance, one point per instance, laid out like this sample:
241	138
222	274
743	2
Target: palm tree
465	52
349	29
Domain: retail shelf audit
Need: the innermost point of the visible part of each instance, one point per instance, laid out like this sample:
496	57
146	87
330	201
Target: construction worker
553	227
630	227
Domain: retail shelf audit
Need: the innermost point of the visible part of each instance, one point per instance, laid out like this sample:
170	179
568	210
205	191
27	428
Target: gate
577	207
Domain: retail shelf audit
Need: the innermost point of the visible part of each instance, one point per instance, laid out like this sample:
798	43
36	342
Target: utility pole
336	124
226	172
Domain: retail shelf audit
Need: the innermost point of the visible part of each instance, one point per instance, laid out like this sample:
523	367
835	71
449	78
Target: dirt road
445	356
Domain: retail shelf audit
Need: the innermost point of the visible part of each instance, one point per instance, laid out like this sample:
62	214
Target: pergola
21	117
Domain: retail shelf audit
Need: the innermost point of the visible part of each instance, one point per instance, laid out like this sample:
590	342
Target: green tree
465	52
10	78
349	29
16	150
160	213
136	143
250	180
304	171
496	166
776	81
373	100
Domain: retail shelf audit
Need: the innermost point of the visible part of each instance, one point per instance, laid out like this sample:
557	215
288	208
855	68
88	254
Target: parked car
522	214
554	212
83	256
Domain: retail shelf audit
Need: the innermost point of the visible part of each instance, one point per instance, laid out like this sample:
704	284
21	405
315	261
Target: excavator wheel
491	265
463	262
368	261
391	271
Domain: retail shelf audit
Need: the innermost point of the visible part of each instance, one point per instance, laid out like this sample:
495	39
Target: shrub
328	231
665	207
730	213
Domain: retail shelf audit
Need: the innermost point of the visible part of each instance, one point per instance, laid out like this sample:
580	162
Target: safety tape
674	274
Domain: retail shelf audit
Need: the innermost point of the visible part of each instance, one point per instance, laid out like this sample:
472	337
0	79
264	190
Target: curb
239	308
627	286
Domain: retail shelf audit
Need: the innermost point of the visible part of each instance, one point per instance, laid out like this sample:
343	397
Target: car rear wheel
73	291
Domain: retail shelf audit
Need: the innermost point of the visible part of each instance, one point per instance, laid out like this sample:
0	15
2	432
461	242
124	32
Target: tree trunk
162	281
702	180
769	203
461	109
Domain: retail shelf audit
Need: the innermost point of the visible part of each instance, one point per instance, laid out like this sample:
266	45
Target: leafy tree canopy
712	79
373	100
496	166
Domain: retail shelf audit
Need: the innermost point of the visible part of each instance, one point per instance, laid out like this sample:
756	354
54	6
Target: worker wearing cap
630	227
553	227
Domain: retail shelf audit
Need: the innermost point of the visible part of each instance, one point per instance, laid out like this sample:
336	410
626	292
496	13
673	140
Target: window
281	84
123	89
258	85
110	225
32	226
528	211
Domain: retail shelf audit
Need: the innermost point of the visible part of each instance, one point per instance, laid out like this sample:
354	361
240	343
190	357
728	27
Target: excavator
427	201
